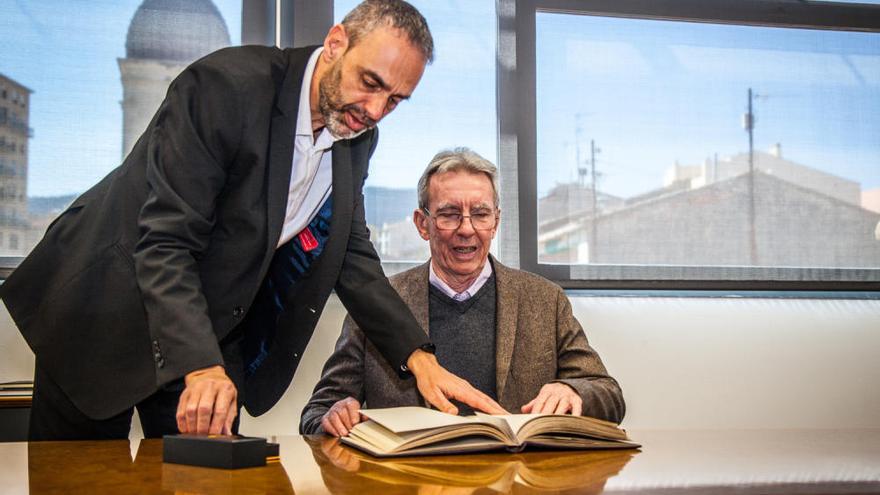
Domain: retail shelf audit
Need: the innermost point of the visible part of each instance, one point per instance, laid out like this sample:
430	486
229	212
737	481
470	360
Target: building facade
163	38
803	217
14	135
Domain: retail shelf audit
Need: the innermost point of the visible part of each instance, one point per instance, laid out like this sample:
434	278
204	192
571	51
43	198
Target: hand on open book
341	417
555	398
437	386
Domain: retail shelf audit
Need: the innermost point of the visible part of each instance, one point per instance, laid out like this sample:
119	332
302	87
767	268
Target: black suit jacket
138	281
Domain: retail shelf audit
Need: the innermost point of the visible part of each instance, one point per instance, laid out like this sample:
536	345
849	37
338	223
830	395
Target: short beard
333	109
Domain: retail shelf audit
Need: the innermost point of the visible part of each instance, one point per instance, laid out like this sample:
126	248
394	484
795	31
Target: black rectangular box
218	451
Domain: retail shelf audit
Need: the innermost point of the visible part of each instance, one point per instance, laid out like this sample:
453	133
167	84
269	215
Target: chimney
776	150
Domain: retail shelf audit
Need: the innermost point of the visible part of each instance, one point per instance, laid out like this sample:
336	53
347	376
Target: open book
401	431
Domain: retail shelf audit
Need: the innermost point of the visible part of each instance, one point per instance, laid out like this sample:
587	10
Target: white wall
740	363
682	362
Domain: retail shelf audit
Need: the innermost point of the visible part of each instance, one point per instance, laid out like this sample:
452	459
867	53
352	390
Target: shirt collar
304	115
466	294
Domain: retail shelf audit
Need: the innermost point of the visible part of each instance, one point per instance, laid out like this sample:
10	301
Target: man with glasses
510	333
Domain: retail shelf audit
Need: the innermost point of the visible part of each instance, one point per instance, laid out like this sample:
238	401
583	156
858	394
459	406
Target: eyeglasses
480	219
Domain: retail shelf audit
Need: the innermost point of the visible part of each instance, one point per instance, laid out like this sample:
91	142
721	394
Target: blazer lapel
413	289
283	134
506	318
340	223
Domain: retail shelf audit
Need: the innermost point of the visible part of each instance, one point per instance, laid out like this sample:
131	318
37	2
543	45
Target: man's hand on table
208	404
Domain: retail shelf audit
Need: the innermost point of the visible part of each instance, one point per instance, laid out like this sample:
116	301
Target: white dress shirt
311	175
465	294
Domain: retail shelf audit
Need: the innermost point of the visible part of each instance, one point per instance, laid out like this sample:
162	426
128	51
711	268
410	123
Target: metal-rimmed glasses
481	219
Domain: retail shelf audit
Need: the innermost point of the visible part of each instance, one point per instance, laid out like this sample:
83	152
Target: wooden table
715	462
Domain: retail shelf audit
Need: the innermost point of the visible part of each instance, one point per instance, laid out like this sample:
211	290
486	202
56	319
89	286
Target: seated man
510	333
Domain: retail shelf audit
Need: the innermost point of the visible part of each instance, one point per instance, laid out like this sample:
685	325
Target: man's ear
335	43
421	221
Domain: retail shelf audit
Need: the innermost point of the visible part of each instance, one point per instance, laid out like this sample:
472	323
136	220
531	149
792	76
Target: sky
66	52
653	93
649	93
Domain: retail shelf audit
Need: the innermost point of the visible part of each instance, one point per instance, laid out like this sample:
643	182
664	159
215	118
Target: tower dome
175	30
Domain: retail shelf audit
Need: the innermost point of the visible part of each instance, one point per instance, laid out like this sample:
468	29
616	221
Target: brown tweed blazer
538	341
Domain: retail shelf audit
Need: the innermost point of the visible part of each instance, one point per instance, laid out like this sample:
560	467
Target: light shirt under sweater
311	175
466	294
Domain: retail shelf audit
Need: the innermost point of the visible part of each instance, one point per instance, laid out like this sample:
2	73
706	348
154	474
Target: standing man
510	333
191	278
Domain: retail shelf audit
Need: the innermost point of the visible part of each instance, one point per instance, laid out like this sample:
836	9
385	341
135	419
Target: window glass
454	105
695	144
78	83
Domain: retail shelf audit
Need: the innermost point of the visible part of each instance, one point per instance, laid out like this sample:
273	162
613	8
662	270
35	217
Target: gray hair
458	159
370	14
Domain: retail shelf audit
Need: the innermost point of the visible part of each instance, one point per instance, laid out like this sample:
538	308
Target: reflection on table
690	462
346	470
108	467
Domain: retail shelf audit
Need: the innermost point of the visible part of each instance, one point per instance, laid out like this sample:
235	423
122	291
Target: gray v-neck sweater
464	335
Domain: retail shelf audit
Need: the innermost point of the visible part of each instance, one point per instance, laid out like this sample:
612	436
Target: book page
514	421
405	419
526	425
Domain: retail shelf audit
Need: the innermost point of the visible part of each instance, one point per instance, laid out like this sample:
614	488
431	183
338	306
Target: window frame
517	94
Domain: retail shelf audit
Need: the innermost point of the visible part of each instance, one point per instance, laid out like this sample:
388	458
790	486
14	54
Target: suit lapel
340	223
506	318
283	134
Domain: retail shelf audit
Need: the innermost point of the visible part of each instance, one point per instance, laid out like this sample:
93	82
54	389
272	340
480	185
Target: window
700	142
617	127
81	84
454	105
